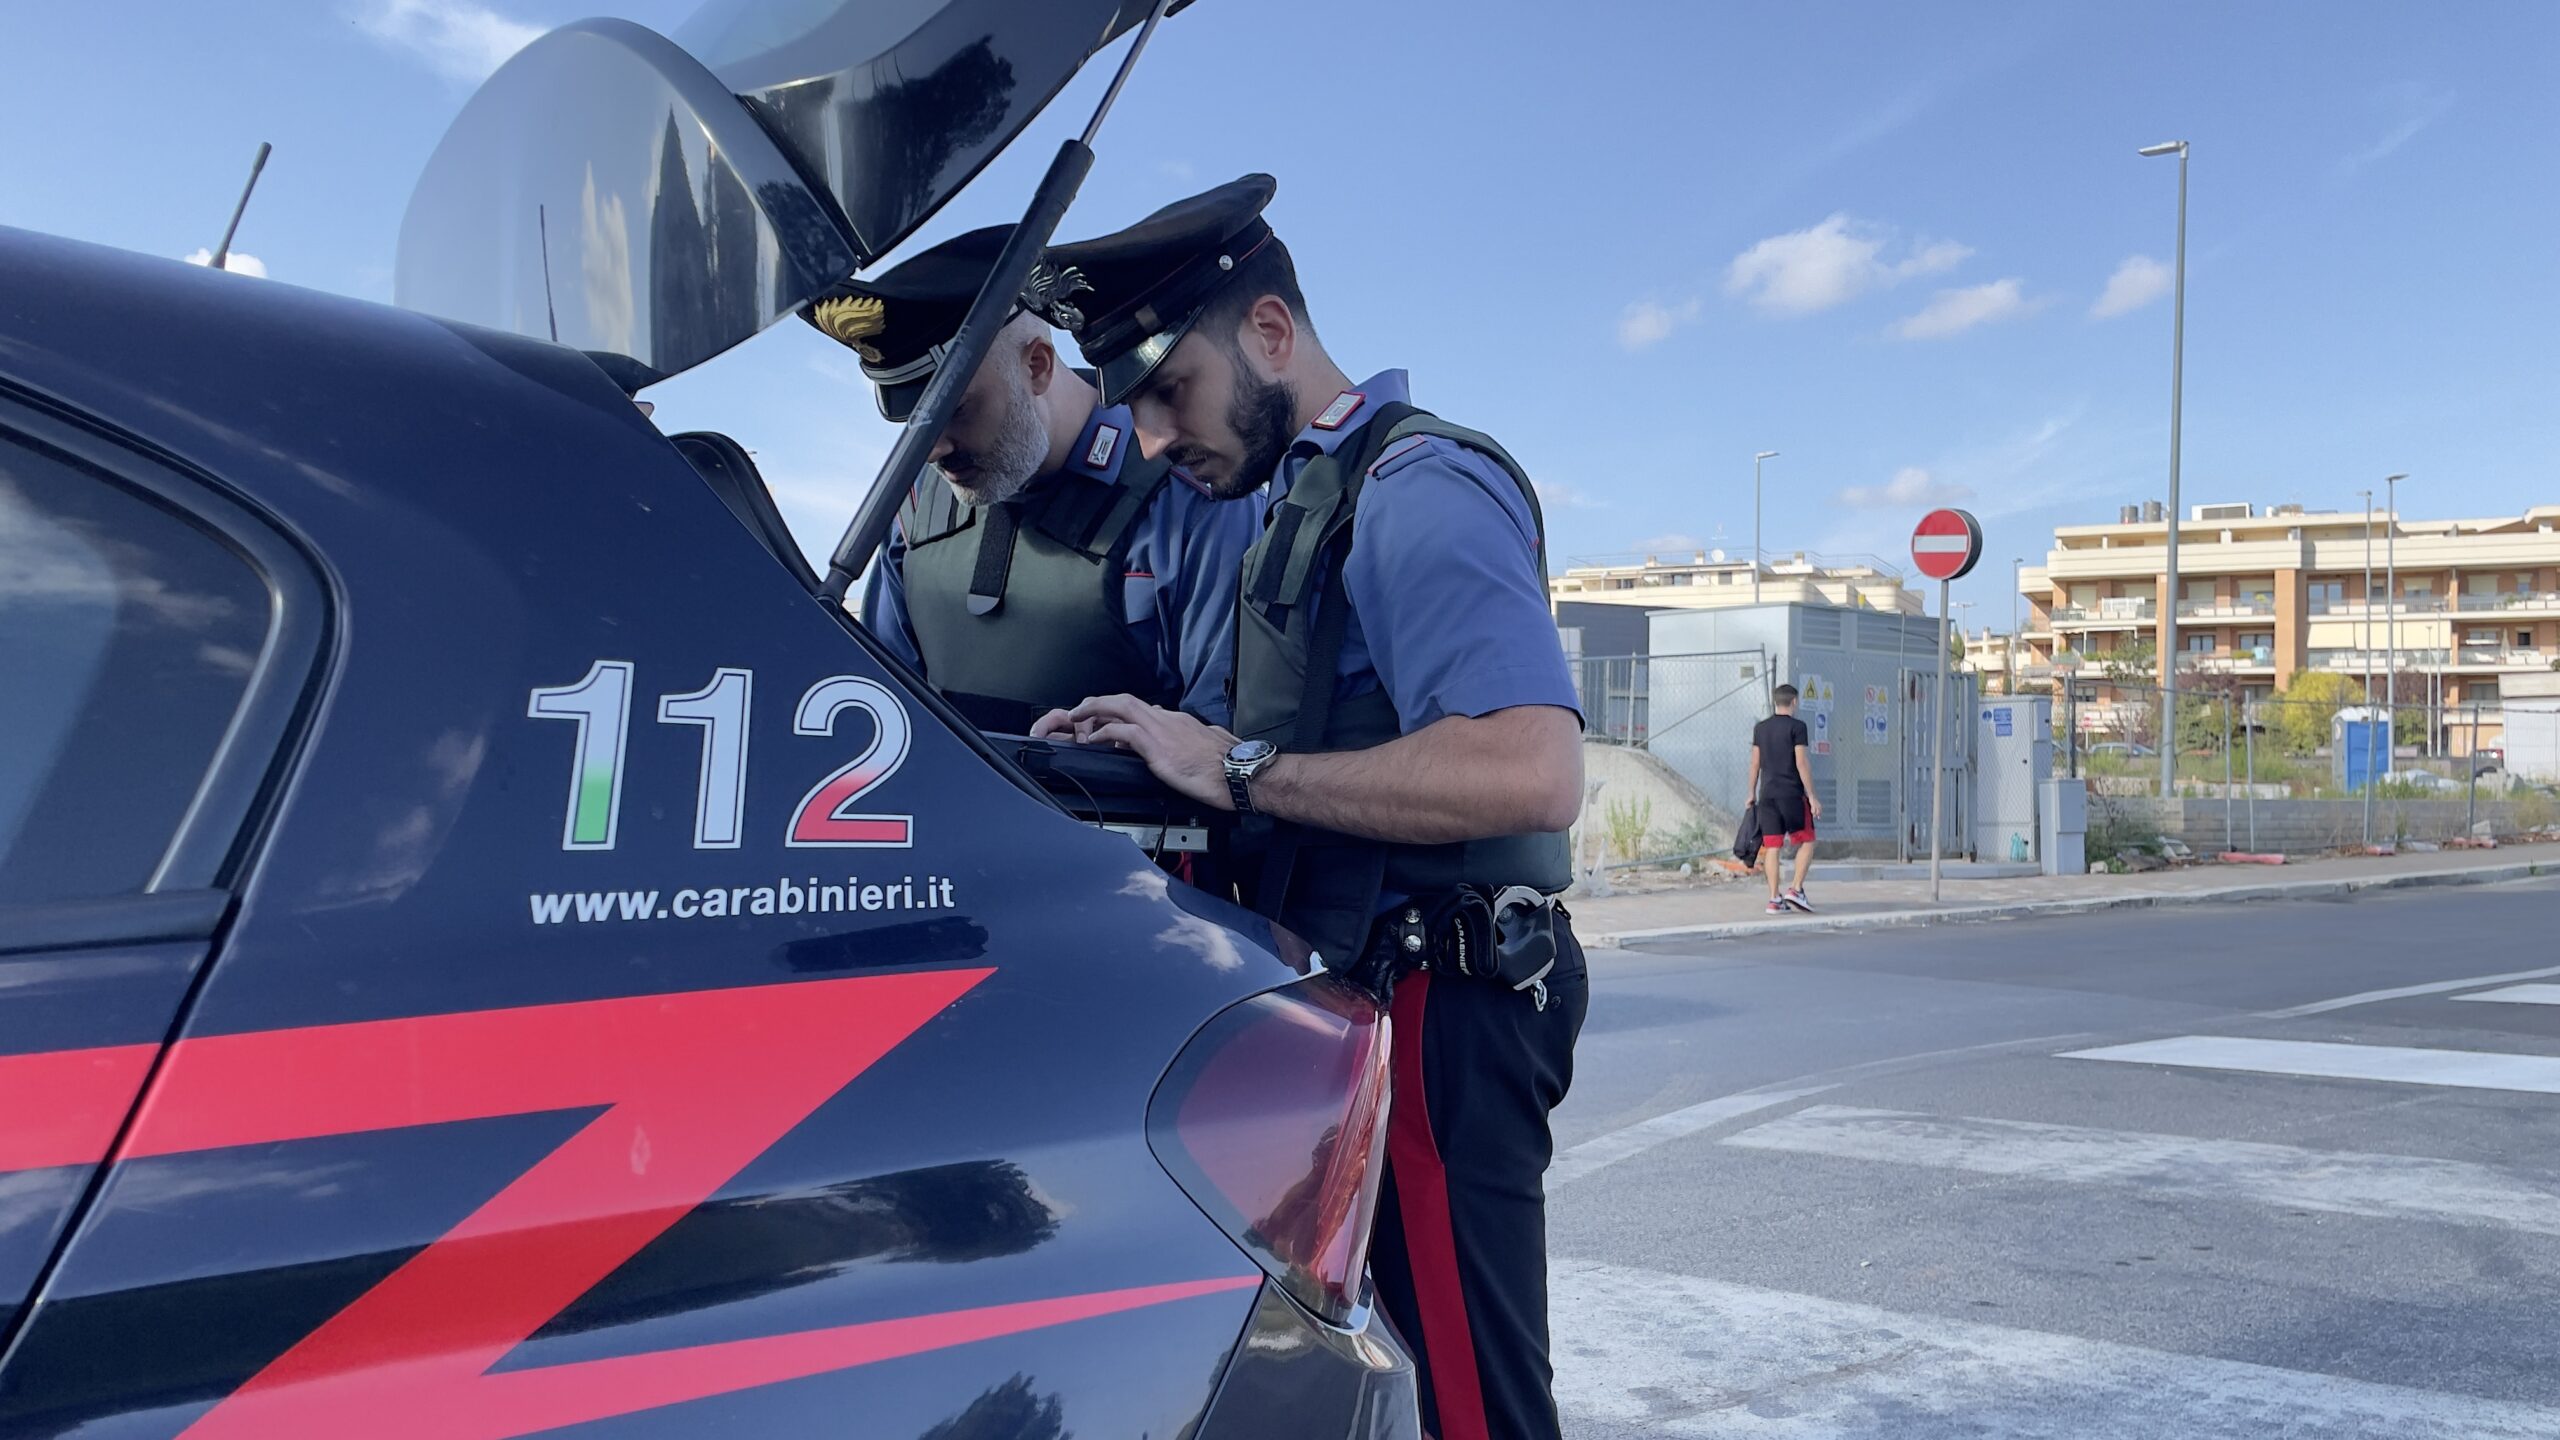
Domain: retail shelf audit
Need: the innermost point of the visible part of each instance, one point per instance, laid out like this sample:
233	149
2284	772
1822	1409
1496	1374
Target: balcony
2379	661
2128	611
2253	607
2247	662
2502	658
2545	600
2409	605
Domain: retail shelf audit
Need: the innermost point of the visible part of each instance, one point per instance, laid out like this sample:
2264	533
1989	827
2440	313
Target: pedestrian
1051	560
1405	758
1780	790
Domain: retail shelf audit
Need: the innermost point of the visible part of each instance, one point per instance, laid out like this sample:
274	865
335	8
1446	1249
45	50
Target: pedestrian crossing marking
2462	1069
1677	1355
2519	995
1617	1145
2343	1182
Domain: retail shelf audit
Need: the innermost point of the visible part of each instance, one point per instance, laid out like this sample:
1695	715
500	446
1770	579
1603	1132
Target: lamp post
1755	521
2177	380
2368	665
2009	671
2391	597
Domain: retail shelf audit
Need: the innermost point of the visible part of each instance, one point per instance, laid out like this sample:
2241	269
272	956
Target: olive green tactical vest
1329	884
1019	608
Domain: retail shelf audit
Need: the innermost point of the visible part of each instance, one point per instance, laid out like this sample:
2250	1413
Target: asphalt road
2170	1173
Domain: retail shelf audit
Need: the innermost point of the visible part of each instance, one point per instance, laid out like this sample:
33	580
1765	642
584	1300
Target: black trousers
1460	1249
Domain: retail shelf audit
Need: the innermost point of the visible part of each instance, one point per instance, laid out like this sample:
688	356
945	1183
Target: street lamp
2177	379
2009	671
2391	597
1755	521
2368	665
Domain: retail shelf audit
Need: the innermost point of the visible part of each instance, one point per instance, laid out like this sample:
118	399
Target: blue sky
1909	247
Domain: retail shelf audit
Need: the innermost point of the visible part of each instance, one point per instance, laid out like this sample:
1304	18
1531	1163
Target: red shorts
1785	820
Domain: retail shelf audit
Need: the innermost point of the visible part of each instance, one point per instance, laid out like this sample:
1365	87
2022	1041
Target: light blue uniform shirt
1180	596
1446	579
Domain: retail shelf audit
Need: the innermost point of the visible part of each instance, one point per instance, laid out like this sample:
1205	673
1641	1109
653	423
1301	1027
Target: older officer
1055	561
1405	725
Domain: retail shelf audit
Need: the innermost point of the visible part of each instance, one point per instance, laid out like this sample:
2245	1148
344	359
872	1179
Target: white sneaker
1794	900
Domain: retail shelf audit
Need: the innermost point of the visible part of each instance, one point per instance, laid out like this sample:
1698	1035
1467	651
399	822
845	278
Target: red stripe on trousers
1430	1240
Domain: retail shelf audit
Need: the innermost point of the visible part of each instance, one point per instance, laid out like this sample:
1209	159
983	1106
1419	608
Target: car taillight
1274	1120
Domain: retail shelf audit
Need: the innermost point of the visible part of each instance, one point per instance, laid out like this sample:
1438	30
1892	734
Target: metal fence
1694	712
2300	772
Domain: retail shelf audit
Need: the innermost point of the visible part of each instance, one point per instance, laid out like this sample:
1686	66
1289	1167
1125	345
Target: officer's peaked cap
902	321
1151	281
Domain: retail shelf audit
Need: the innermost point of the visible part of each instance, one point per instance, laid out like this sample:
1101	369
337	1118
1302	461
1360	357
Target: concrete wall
1623	775
2299	827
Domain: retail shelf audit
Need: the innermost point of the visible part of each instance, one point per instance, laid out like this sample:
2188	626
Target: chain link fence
1693	714
2321	767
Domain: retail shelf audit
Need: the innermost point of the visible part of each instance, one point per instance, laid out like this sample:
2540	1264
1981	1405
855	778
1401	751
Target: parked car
2488	759
2123	750
486	948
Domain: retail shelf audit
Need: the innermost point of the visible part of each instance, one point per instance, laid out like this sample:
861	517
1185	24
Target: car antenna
222	252
987	314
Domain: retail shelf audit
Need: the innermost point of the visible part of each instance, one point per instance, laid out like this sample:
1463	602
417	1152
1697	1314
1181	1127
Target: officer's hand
1056	722
1185	752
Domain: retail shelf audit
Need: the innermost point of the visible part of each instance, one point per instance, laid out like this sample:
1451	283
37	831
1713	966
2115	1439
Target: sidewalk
1716	906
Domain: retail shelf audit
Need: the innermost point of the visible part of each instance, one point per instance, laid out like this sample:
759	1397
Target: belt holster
1504	935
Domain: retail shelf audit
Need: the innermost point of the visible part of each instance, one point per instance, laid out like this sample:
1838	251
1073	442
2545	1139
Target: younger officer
1406	739
1055	561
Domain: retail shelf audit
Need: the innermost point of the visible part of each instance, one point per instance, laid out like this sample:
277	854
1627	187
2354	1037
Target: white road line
2371	997
1603	1151
1675	1355
2519	995
2346	1182
2463	1069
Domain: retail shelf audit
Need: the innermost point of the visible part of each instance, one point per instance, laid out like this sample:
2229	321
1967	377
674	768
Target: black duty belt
1506	936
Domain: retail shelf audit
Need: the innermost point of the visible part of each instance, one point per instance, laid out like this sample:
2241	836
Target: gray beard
1018	453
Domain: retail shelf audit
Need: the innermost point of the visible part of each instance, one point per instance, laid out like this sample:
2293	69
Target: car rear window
128	636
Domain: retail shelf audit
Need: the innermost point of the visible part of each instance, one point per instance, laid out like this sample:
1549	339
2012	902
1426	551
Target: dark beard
1263	417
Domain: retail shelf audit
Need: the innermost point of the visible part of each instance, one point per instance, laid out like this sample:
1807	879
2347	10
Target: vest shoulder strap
1095	520
933	513
1422	422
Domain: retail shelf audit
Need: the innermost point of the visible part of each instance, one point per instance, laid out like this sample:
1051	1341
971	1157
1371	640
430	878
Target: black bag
1746	836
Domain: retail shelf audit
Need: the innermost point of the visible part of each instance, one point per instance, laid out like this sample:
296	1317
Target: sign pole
1938	748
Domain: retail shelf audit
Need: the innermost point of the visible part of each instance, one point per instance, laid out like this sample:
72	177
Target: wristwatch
1244	761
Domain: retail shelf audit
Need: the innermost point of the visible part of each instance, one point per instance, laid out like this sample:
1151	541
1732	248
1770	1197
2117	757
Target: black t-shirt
1776	738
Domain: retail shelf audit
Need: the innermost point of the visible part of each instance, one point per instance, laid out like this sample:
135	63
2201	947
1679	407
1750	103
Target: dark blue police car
486	949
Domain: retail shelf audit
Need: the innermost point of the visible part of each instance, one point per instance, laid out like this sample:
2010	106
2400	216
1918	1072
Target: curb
2144	900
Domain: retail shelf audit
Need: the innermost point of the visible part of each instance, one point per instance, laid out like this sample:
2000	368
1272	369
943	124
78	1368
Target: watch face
1251	752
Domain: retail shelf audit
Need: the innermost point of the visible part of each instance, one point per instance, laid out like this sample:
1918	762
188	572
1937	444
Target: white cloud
1909	489
2136	283
1836	261
1650	322
237	262
1676	542
1956	311
1557	495
457	39
2416	108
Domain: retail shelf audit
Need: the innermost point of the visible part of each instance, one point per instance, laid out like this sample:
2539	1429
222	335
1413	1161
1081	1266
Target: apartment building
1708	579
2266	594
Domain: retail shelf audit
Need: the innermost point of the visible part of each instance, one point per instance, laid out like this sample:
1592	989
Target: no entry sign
1946	543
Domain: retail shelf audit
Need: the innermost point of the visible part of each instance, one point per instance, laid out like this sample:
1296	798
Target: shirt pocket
1138	598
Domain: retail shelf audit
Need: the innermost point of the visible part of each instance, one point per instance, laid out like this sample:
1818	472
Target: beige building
1707	579
2265	595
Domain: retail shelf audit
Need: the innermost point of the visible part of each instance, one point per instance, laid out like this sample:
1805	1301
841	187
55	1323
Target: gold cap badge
852	319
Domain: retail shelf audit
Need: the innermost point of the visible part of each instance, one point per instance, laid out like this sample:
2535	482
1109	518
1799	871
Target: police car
487	949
